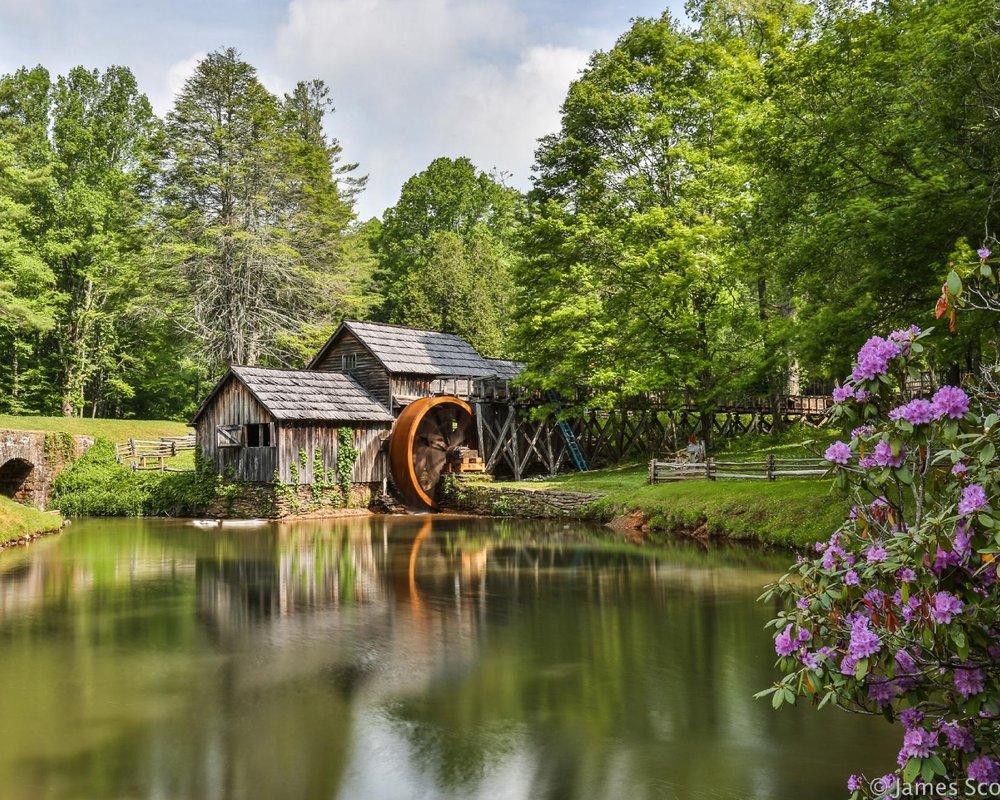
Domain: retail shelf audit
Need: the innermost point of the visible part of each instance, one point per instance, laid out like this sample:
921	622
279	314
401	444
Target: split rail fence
770	469
146	454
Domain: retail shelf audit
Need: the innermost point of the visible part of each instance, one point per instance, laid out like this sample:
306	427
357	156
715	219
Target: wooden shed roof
503	368
290	395
416	351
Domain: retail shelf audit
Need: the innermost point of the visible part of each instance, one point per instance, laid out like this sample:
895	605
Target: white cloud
179	72
496	116
418	79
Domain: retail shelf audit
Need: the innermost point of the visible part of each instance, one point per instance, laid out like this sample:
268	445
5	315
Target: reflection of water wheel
430	432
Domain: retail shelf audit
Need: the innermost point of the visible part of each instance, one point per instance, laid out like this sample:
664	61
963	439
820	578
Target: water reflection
398	658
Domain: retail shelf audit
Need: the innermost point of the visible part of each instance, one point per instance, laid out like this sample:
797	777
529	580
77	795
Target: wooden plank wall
294	437
371	466
369	372
234	405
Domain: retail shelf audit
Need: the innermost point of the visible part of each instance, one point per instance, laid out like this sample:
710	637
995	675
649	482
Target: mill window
258	434
348	361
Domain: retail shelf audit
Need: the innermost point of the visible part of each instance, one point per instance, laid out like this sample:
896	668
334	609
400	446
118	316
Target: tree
463	288
445	253
26	281
627	283
257	208
873	153
81	142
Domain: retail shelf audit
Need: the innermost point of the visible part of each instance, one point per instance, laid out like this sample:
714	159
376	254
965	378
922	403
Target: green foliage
58	447
627	284
445	254
97	485
138	256
347	456
734	206
75	190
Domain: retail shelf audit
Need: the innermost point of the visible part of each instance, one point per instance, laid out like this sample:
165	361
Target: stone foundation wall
265	501
496	500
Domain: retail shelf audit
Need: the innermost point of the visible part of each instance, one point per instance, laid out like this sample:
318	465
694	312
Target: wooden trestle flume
429	434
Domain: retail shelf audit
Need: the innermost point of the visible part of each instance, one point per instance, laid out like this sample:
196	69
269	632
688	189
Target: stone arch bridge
30	461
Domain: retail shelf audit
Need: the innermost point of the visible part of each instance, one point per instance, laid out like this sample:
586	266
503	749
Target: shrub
898	613
97	485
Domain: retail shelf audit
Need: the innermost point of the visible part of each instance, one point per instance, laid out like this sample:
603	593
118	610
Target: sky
411	80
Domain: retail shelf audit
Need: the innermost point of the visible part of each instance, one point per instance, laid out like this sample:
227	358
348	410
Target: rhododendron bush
898	613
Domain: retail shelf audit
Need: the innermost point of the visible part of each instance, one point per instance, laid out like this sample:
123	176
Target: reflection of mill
252	576
425	575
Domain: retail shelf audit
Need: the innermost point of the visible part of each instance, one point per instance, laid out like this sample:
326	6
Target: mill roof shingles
318	396
505	369
420	352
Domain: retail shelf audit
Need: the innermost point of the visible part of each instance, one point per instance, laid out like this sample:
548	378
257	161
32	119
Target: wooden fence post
652	470
770	467
708	469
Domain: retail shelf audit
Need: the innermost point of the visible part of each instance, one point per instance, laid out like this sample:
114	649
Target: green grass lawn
786	512
17	520
117	430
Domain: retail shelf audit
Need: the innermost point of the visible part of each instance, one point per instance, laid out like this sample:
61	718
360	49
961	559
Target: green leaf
937	766
911	770
987	454
861	669
777	699
954	283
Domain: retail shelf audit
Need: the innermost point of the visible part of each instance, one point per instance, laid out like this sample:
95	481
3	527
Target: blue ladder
567	432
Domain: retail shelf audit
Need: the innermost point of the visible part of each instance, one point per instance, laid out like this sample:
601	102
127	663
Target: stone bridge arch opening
16	479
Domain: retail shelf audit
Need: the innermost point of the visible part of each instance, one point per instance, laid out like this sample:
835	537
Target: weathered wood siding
408	386
234	405
369	372
293	438
372	465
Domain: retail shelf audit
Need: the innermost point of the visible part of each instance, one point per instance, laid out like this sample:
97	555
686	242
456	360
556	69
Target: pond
400	657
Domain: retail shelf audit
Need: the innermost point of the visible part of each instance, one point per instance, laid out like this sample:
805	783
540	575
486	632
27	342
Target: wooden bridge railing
770	469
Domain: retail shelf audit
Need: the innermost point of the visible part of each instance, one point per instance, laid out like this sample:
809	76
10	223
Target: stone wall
497	500
30	461
265	501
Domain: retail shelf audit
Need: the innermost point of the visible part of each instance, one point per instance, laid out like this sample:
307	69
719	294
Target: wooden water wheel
430	433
